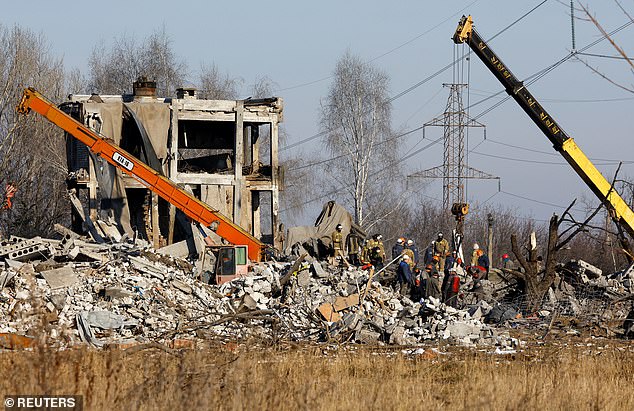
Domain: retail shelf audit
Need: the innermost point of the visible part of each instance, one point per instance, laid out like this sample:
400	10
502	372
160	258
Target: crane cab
231	262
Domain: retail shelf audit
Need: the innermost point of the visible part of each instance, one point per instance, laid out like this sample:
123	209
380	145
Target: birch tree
215	85
356	119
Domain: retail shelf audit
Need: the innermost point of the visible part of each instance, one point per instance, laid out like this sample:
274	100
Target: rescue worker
441	249
367	247
410	253
432	286
508	264
435	262
475	254
450	262
337	243
451	288
418	290
483	261
377	252
404	276
429	254
412	246
379	243
506	261
398	247
352	247
476	288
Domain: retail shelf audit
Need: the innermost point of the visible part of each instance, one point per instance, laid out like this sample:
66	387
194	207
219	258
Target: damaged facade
224	151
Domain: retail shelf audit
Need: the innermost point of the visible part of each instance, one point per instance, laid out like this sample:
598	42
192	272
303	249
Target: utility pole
490	238
454	171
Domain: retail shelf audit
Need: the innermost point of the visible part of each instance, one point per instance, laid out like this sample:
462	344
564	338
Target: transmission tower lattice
455	169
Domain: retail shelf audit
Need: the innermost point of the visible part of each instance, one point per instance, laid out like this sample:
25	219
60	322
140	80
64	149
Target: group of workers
439	273
359	251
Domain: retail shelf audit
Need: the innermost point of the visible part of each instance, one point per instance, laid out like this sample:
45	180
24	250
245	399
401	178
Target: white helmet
410	242
476	246
405	257
399	240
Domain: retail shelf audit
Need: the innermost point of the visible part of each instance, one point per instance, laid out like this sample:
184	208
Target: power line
486	93
426	32
518	20
309	83
557	163
344	155
554	154
605	56
540	74
538	201
409	155
344	186
413	87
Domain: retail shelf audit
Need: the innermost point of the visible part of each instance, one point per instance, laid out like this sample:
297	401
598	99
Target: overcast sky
297	45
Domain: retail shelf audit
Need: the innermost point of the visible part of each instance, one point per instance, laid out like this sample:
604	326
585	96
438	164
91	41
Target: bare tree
214	85
263	87
356	119
113	71
32	154
535	278
623	55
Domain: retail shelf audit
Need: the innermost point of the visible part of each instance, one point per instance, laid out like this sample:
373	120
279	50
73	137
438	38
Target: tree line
360	168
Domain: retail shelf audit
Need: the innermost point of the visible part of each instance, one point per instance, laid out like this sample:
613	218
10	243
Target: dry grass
318	378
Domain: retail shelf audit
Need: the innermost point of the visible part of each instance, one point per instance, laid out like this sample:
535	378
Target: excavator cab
231	262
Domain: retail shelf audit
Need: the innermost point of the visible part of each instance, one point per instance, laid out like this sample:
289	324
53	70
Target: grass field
570	375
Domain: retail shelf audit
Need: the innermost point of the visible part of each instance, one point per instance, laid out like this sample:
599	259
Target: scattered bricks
328	312
139	296
181	343
341	303
15	341
121	345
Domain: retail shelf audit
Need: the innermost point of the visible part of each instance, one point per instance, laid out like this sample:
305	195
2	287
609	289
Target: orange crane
164	187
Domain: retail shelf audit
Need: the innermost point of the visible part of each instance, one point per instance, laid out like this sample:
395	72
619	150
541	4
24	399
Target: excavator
231	260
618	209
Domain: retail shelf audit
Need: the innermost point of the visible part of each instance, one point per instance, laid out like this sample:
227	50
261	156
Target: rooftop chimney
143	87
186	93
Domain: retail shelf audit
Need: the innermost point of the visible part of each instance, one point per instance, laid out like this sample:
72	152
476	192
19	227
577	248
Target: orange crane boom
164	187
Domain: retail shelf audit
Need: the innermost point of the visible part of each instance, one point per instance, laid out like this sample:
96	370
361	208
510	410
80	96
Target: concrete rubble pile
126	294
582	289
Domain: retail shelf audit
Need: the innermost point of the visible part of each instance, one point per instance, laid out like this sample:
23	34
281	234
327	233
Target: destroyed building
224	151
